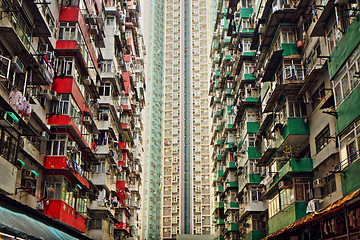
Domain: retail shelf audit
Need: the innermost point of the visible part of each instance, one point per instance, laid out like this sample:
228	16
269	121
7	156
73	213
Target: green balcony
229	145
292	168
253	152
227	41
248	54
228	57
289	49
229	126
230	165
232	205
250	178
218	127
219	174
295	130
290	214
249	76
220	189
232	227
255	235
218	142
219	157
350	178
220	222
228	91
219	205
246	12
217	59
232	185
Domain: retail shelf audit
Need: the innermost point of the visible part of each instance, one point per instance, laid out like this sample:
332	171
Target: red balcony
122	227
65	124
59	210
63	164
124	146
73	14
69	86
123	162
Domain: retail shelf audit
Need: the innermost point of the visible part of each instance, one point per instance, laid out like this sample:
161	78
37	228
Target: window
56	145
110	21
174	189
8	143
286	197
69	31
322	139
345	80
107	66
330	185
274	206
105	89
246	4
350	143
318	95
302	190
255	194
70	3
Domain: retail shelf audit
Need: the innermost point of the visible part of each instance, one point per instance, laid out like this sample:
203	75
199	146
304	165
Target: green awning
25	226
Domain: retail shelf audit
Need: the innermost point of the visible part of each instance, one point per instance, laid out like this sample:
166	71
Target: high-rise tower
186	165
153	152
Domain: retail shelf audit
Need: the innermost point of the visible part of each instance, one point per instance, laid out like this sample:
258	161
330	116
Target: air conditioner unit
87	80
318	182
44	136
18	65
284	185
87	120
28	174
6	120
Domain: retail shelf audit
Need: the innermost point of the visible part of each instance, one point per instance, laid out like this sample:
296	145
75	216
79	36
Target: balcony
103	179
232	227
220	222
63	164
288	215
59	210
248	179
292	168
123	227
219	189
231	206
252	206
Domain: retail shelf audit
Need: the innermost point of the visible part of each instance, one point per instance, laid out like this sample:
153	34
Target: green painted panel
295	126
249	54
348	111
304	164
220	221
246	12
249	76
251	99
252	127
247	31
255	178
287	216
255	235
350	178
344	48
231	165
233	227
254	152
289	49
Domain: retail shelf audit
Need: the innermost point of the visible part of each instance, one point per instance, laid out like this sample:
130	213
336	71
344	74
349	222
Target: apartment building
284	75
71	100
153	138
186	164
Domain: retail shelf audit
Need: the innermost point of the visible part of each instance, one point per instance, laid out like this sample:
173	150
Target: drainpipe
346	224
25	81
321	230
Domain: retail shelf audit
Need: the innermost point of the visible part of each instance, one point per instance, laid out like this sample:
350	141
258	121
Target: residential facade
72	90
284	76
153	148
186	164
